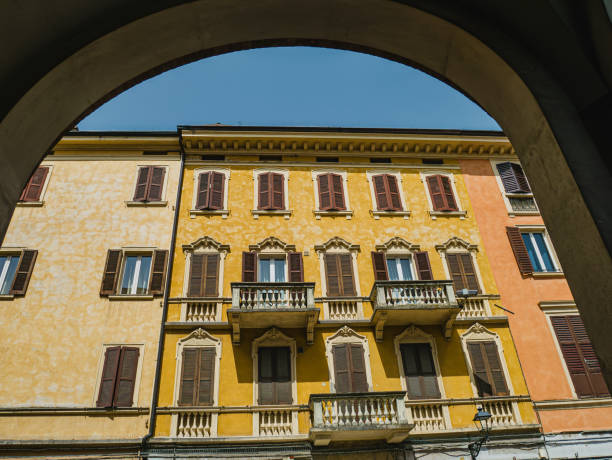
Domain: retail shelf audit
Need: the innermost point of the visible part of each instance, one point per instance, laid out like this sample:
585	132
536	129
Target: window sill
460	214
378	214
130	297
523	213
548	275
209	212
347	214
7	296
30	204
146	204
584	403
286	213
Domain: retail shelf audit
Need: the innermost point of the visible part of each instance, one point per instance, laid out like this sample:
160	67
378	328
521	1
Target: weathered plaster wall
52	339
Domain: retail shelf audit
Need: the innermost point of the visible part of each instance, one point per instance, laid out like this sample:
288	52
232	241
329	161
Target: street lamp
481	420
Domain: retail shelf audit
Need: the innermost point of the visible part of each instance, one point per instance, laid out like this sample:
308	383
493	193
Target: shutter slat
196	274
520	251
395	202
249	267
142	182
264	191
217	184
126	376
277	191
296	267
341	368
449	197
346	270
109	376
203	187
35	184
24	272
156	184
338	192
211	283
380	191
325	198
188	376
359	382
379	264
332	275
423	266
158	274
435	192
111	272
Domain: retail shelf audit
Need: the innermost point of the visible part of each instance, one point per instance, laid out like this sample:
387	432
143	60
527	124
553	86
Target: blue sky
297	86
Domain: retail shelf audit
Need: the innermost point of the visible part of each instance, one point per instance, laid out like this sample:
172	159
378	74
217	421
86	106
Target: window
349	368
339	275
149	183
271	270
579	356
210	191
33	190
386	192
118	377
419	371
272	261
486	368
197	377
140	272
399	267
274	375
15	271
203	275
517	193
532	251
330	193
270	194
462	271
441	193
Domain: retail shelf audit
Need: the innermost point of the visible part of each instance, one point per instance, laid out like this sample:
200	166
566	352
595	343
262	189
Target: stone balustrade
387	294
272	296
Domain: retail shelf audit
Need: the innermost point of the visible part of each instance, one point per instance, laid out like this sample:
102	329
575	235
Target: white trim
205	245
505	196
197	339
164	185
347	335
125	253
348	212
457	245
398	176
273	337
461	213
285	212
105	346
196	176
558	306
549	247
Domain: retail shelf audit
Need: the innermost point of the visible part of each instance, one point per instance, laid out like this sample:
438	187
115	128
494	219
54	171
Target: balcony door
271	270
349	368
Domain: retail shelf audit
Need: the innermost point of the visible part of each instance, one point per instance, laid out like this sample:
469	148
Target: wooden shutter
349	368
423	266
24	272
156	184
206	376
126	377
249	267
338	192
332	275
395	201
275	375
111	272
359	382
387	192
451	204
379	263
296	267
520	251
188	377
487	369
35	185
283	375
109	377
203	275
435	192
462	271
341	368
513	178
579	356
277	191
142	183
158	271
420	372
217	184
380	190
203	187
266	376
196	275
264	191
211	283
346	279
520	178
325	192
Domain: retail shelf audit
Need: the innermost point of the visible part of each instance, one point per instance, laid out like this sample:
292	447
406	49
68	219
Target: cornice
127	144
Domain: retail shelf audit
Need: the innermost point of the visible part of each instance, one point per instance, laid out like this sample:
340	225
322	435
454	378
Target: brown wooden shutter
423	266
156	184
520	251
521	180
126	376
325	192
217	184
24	272
296	267
277	191
332	275
275	375
420	372
264	180
395	202
380	191
109	377
284	395
196	275
111	272
513	178
142	183
338	192
188	377
206	377
495	368
341	368
454	267
249	267
487	369
359	382
35	185
203	187
435	192
479	369
211	283
379	263
449	198
266	376
579	356
462	271
158	274
346	278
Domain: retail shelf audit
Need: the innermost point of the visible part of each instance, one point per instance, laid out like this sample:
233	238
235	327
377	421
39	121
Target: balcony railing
413	293
272	296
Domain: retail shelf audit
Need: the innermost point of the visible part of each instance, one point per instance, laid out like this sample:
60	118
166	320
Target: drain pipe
162	329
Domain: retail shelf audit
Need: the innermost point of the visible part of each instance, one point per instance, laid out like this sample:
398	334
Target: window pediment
478	332
396	244
272	244
337	244
206	243
456	243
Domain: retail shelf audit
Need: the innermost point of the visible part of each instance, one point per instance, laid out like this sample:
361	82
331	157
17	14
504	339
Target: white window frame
127	253
273	256
506	196
193	212
199	338
348	212
375	212
6	252
274	248
274	338
43	191
141	356
286	213
461	212
347	335
398	248
549	247
162	201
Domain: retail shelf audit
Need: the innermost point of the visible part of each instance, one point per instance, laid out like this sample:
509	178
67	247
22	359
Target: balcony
399	303
359	416
262	305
